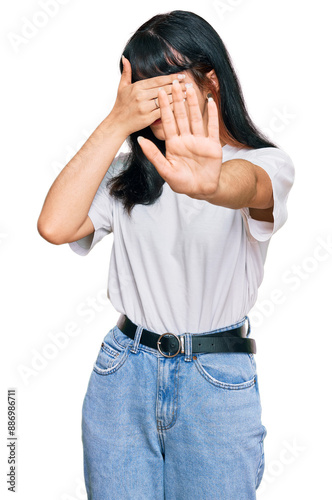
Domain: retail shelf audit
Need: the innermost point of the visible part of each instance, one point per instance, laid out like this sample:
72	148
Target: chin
158	133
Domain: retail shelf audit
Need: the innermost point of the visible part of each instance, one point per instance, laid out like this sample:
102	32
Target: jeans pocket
111	355
228	370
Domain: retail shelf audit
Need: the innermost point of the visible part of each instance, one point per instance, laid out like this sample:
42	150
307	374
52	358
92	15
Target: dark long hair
197	48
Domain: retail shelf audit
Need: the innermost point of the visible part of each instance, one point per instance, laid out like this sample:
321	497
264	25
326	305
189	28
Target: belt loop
188	346
137	339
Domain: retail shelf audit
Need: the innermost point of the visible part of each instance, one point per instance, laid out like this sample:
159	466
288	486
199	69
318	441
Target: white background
57	86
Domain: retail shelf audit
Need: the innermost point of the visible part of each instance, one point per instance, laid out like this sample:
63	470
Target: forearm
242	184
69	199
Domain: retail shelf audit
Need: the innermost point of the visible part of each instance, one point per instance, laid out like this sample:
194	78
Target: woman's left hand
193	160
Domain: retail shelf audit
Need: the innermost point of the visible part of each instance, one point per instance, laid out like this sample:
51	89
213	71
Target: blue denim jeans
182	428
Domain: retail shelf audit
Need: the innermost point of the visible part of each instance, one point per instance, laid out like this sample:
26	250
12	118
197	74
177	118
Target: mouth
157	122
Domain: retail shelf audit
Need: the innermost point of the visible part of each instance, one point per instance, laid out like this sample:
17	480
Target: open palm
193	160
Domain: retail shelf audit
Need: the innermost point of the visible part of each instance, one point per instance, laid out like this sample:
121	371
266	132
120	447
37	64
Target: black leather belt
233	340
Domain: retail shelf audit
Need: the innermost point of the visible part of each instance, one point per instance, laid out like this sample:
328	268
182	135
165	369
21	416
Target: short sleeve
280	169
100	212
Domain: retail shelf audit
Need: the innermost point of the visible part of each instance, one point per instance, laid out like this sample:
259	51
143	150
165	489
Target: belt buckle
180	341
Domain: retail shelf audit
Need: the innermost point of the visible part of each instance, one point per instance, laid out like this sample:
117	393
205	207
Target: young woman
172	409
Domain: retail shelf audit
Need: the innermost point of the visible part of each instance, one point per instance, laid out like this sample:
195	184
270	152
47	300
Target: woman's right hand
135	107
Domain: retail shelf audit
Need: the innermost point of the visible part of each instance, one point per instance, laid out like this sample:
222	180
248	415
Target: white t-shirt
186	265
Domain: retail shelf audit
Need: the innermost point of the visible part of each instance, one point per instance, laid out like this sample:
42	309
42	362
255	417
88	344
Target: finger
154	103
159	81
196	120
167	116
126	73
154	155
213	119
152	93
180	111
155	113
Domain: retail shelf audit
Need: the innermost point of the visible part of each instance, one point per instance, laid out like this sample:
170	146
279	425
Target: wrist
115	127
215	198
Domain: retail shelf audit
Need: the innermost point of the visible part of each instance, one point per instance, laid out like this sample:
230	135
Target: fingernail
188	85
180	77
176	82
123	58
209	96
139	138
